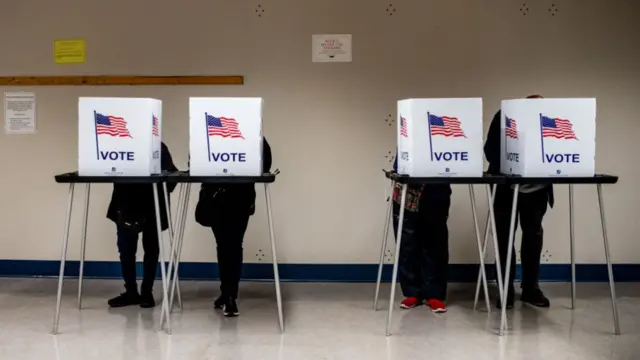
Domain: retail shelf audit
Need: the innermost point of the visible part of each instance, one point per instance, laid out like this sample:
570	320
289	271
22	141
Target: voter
132	208
226	210
532	205
424	252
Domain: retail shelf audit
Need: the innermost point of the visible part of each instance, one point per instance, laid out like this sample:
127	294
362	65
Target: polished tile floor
323	321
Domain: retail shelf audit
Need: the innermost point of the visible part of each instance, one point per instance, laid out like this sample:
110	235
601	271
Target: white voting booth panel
225	136
440	137
119	136
548	137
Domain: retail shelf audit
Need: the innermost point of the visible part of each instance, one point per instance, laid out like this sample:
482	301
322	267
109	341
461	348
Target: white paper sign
548	137
19	113
225	136
440	137
119	136
331	48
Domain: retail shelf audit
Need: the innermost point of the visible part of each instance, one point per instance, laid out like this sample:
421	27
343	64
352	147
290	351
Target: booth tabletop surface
73	177
484	179
597	179
177	177
502	179
185	177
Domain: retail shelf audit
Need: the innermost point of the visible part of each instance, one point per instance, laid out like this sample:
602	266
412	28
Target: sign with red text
331	48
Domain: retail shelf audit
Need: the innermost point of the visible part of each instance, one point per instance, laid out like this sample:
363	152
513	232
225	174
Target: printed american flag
510	129
445	126
111	125
557	128
404	132
224	127
155	130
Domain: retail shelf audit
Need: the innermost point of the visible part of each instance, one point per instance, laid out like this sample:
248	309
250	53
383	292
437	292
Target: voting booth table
546	142
226	151
439	142
119	142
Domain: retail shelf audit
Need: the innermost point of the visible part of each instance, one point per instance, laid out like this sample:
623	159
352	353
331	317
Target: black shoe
219	303
534	297
230	308
124	299
510	300
147	301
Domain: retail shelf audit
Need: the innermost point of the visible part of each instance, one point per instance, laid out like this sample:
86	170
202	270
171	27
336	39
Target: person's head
534	97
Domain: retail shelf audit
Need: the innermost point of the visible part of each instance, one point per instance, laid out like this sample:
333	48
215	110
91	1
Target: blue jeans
424	252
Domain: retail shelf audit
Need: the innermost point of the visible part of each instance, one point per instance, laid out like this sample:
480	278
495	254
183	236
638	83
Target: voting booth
548	137
440	137
119	136
225	136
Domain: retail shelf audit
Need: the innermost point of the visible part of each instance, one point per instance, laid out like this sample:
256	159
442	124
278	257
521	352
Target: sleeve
266	156
492	145
395	162
166	164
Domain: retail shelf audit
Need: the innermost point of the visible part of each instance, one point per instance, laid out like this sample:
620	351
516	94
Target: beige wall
322	119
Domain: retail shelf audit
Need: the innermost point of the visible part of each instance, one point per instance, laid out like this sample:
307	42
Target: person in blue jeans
424	252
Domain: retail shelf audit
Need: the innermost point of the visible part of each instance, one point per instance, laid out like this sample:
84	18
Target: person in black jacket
424	252
532	205
226	210
132	209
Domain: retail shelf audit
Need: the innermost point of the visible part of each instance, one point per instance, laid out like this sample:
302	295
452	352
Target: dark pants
229	233
531	210
424	252
128	246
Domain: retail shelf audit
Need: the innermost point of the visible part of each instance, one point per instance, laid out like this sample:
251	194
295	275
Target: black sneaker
219	303
535	297
147	301
230	308
124	299
510	300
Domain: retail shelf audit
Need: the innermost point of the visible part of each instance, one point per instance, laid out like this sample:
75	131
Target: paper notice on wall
19	113
331	48
72	51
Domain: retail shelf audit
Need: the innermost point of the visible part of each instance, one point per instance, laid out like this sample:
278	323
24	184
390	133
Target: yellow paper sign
70	51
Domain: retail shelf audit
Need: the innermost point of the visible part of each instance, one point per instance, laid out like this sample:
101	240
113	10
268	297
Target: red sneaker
437	306
410	302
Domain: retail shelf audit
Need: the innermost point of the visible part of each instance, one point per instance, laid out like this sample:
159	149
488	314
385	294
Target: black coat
492	151
234	199
137	199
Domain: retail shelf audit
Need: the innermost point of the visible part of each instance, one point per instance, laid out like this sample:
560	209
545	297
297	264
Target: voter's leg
229	233
150	265
502	210
409	271
127	246
434	251
532	207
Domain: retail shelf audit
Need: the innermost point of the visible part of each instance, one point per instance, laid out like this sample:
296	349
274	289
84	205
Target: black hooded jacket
230	199
136	200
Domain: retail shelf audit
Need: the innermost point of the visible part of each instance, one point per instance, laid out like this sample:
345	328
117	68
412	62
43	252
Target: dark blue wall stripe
311	272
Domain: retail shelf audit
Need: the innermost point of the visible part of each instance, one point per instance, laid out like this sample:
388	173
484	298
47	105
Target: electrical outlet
524	9
260	255
553	10
546	256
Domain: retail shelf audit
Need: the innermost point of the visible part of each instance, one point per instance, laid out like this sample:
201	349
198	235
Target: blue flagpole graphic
541	138
430	141
206	123
95	125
